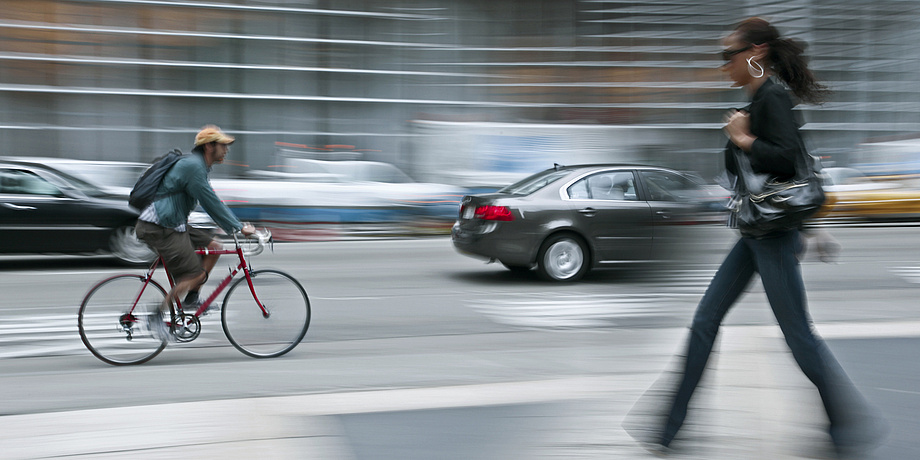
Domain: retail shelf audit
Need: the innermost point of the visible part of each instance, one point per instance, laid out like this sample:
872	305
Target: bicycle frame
241	266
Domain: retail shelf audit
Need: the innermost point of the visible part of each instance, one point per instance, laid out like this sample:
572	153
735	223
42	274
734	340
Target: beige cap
211	133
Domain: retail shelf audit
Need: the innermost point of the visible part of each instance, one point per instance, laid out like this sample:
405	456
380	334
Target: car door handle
17	207
588	211
664	214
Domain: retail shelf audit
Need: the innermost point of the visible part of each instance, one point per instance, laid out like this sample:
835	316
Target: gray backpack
145	189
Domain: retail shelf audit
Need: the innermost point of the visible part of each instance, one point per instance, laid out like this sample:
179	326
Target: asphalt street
512	365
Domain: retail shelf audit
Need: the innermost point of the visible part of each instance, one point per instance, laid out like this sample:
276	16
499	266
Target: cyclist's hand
248	229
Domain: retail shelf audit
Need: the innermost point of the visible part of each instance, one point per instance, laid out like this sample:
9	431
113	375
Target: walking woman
758	59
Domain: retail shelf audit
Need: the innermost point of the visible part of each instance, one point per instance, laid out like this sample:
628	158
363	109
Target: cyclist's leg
185	284
209	260
178	253
203	238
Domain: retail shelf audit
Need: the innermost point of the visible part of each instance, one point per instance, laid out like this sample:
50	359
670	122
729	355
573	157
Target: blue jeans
775	259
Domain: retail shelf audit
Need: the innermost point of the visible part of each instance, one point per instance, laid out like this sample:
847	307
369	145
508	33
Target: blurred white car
302	191
319	191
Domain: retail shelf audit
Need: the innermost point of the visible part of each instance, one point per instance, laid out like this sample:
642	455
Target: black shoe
193	307
190	307
191	297
857	440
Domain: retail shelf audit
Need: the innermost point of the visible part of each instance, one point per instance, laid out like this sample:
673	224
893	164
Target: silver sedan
567	220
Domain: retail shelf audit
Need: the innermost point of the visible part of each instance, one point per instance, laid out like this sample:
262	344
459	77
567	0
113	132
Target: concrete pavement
754	404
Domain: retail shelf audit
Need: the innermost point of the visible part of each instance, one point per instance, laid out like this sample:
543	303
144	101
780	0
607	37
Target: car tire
128	249
563	258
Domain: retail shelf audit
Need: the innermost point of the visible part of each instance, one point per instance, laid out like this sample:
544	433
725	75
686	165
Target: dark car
569	219
114	177
45	210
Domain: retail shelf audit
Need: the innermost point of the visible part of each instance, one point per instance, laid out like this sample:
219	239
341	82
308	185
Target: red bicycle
264	314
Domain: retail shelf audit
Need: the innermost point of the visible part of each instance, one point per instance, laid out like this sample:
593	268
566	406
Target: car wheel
562	258
125	246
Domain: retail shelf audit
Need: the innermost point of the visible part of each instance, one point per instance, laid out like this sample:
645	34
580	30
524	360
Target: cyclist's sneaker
193	307
191	297
190	307
158	325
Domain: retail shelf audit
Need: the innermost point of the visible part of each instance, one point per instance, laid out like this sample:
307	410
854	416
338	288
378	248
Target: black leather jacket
776	127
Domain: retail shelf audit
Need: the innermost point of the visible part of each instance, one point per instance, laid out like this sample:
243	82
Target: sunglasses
727	55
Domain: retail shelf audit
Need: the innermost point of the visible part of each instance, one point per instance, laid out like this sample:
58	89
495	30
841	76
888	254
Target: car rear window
535	182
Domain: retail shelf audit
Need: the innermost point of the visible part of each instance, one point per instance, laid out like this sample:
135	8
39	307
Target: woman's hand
737	126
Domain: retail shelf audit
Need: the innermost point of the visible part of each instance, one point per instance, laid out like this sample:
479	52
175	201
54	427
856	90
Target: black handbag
764	204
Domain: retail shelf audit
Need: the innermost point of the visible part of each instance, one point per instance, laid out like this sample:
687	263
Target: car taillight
493	213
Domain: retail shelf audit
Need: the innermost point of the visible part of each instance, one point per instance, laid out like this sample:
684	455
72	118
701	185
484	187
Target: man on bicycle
164	226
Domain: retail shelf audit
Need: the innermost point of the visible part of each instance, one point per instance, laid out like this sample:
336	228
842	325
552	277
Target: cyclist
164	226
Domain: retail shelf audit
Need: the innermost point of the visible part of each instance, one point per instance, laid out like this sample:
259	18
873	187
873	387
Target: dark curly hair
785	57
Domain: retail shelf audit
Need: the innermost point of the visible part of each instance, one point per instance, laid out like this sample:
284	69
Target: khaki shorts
176	248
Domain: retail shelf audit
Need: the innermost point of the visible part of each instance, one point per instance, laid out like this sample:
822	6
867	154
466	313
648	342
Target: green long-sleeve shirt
186	185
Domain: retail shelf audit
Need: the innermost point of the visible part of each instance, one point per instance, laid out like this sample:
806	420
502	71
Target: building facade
131	79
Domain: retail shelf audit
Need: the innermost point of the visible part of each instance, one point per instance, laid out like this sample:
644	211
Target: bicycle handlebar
261	238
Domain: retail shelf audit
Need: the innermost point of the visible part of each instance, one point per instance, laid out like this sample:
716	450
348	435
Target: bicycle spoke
255	334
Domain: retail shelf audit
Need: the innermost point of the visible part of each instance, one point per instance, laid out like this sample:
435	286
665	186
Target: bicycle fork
265	312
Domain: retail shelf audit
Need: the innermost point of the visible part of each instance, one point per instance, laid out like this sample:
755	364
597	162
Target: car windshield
63	180
535	182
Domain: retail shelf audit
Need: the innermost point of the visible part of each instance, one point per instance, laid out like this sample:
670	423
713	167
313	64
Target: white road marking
900	391
56	335
566	311
909	274
74	272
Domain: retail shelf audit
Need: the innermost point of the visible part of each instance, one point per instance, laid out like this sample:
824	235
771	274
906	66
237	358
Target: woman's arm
775	133
738	129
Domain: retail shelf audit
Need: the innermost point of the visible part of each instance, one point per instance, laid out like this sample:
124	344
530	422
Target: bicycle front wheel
115	320
279	330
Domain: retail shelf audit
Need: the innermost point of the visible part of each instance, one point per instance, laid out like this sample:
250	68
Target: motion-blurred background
446	90
354	115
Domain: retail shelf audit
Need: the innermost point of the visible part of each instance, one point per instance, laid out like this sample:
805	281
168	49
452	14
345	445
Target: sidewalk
755	397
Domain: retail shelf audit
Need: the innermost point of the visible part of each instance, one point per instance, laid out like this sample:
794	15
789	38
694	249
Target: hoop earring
751	63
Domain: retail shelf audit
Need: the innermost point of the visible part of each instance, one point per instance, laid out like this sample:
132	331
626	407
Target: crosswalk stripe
573	311
56	334
577	311
566	311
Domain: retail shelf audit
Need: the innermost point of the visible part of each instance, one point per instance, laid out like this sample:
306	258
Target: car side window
19	182
6	182
666	186
609	186
579	190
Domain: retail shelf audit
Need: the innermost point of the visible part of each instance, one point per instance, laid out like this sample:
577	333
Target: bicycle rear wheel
114	320
288	314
